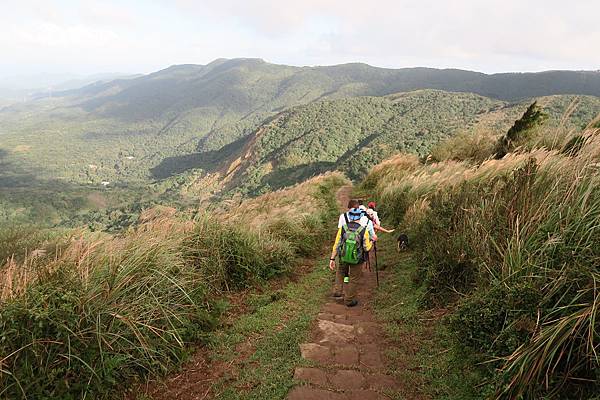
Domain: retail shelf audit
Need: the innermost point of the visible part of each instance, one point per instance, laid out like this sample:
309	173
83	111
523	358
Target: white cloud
49	35
488	35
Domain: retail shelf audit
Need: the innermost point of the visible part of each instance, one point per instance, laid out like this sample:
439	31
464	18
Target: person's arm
334	249
371	230
382	229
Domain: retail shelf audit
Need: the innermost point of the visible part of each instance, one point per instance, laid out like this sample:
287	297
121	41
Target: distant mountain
29	87
254	79
134	131
226	99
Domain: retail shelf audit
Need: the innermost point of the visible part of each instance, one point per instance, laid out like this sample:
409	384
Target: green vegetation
101	310
275	330
521	130
352	134
510	247
421	351
185	125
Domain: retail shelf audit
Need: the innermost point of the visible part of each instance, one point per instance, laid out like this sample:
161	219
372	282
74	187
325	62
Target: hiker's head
353	204
372	205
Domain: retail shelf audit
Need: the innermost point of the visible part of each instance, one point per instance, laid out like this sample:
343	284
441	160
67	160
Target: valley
191	133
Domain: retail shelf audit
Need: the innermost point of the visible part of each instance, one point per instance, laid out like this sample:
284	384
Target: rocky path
346	352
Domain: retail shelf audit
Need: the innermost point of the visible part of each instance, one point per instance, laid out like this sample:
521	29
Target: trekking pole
376	269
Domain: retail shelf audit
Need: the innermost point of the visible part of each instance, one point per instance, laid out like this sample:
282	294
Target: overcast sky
86	37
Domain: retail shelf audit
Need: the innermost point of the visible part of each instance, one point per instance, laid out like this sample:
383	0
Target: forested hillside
119	130
99	154
351	135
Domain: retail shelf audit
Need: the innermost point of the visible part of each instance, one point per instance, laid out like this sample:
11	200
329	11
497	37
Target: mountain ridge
176	126
233	62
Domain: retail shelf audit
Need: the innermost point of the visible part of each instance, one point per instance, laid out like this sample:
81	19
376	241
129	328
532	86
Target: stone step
310	393
357	355
345	379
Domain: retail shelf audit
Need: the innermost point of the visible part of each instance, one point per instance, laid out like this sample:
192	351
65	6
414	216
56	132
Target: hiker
373	216
352	242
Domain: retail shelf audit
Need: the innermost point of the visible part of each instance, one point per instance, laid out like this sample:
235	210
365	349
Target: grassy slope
509	246
421	351
110	309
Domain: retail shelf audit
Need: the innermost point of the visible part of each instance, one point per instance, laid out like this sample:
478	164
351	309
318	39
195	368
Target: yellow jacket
368	244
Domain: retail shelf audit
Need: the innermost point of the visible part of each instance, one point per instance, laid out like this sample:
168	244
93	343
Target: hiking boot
337	295
352	303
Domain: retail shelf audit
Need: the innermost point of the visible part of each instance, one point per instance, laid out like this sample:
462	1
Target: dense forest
103	181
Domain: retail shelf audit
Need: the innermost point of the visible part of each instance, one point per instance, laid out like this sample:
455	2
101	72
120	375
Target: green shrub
496	320
521	130
232	257
396	202
304	235
80	330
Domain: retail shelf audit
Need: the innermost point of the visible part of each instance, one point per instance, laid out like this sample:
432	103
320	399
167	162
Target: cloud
488	35
49	35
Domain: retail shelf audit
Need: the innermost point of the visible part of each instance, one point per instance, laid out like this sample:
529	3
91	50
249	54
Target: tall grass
101	310
511	245
100	314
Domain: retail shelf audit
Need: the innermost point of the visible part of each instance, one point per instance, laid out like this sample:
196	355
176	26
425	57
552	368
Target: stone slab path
347	353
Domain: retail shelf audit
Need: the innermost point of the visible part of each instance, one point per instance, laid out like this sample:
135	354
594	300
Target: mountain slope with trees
119	130
183	134
353	134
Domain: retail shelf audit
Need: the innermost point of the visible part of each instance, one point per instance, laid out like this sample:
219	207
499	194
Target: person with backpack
354	239
373	216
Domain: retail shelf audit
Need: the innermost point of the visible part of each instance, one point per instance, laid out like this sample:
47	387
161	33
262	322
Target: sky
133	36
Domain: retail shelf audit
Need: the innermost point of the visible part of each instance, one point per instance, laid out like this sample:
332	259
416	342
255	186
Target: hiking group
356	237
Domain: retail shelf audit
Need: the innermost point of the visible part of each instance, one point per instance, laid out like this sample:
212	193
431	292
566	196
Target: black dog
402	242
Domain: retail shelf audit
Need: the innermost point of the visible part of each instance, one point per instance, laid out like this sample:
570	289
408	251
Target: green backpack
351	249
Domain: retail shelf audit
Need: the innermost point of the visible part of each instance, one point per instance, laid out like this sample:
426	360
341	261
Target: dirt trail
347	346
343	196
346	352
195	378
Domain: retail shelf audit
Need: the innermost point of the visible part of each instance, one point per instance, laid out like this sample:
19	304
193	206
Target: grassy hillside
509	248
84	314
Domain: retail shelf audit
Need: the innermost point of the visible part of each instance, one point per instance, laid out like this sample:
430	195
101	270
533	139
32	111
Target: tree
521	130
